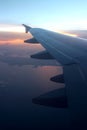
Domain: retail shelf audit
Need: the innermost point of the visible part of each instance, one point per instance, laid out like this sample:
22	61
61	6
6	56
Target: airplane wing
71	52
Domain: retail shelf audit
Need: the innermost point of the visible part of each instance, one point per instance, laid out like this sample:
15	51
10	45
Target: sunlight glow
66	25
69	34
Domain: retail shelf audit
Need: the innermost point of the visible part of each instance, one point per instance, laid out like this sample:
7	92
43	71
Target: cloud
3	83
10	37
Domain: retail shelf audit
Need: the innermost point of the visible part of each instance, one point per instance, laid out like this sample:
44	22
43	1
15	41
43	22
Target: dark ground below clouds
21	79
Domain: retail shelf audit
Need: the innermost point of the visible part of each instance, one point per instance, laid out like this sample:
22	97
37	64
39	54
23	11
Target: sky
49	14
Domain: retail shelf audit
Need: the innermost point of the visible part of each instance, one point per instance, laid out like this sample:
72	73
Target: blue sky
45	13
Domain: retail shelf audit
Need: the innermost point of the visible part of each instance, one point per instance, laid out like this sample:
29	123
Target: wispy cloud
11	28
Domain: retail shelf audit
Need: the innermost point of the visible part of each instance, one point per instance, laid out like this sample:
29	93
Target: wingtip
27	28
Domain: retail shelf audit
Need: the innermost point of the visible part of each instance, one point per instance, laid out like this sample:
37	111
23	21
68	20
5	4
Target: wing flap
76	91
32	40
56	98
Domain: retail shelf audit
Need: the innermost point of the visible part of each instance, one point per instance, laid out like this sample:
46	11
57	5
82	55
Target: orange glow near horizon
18	37
21	29
14	41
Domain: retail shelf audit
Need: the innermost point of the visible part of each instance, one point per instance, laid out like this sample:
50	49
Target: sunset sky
49	14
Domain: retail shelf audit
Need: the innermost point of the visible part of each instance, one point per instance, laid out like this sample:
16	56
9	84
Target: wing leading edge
71	52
